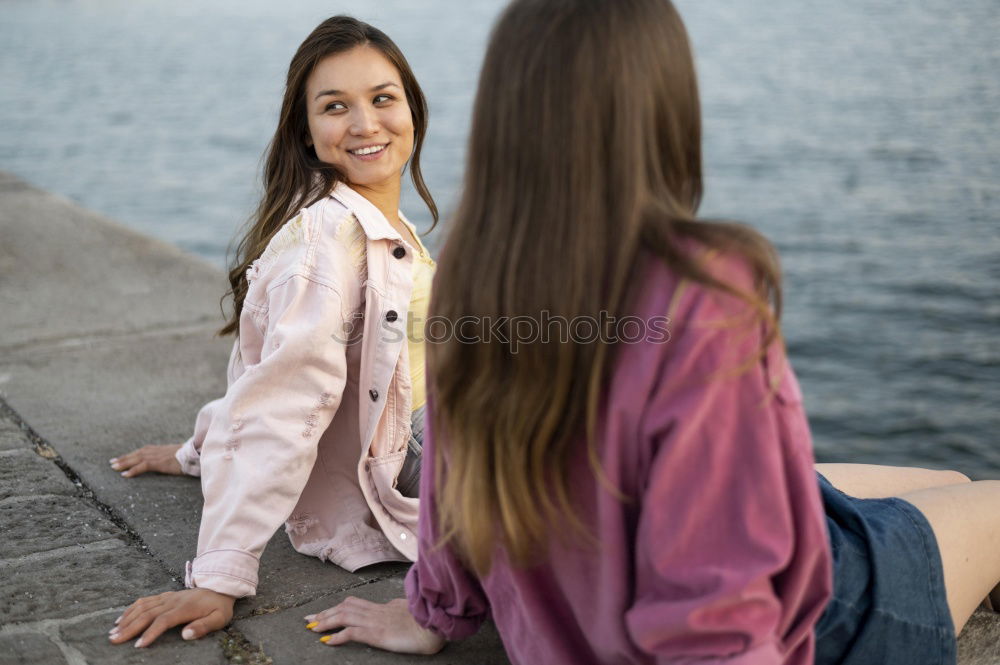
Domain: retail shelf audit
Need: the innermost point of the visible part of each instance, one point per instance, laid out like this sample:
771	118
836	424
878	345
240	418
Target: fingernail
113	632
138	643
112	460
309	617
187	634
310	626
325	638
118	620
125	473
115	467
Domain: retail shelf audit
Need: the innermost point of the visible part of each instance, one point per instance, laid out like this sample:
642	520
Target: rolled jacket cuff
427	612
232	572
189	459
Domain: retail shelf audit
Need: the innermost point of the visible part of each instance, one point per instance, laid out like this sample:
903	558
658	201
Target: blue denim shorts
408	480
889	605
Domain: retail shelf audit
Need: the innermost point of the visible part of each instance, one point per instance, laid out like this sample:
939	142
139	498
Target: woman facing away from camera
323	415
653	501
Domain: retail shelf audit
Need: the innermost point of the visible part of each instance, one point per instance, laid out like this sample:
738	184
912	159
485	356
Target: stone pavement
106	344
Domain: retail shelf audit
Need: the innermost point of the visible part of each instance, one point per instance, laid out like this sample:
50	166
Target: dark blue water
862	138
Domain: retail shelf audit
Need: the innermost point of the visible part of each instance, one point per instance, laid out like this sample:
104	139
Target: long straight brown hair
585	148
293	176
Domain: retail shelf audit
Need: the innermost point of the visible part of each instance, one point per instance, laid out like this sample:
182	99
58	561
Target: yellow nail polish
325	638
310	626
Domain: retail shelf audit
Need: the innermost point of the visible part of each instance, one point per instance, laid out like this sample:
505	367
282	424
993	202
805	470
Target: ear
309	140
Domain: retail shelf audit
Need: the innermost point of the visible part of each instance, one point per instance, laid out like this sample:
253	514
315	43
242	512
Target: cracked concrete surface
106	344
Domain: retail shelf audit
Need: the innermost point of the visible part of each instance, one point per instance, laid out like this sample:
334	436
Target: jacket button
399	252
373	394
391	315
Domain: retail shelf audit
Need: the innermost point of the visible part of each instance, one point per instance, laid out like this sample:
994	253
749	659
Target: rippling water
862	138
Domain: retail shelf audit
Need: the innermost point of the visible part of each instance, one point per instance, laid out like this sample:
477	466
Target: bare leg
966	522
873	481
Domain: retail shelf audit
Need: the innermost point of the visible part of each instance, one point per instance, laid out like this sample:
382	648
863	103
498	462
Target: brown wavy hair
585	151
294	177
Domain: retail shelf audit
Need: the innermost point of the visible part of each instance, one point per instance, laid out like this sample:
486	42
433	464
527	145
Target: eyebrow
381	86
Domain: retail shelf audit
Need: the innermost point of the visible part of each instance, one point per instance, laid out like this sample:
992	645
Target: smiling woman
366	131
326	248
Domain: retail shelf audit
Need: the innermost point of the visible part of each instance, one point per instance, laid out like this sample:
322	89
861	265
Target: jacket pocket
383	472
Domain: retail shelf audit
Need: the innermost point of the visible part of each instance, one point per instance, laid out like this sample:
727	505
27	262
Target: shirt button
373	394
399	252
391	315
402	536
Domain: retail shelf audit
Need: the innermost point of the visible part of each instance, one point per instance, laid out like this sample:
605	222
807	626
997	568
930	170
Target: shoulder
312	244
699	330
663	290
714	352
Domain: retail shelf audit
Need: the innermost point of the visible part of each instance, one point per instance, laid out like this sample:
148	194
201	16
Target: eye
335	106
382	99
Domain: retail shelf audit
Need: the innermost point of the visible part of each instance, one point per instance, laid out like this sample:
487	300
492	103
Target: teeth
369	150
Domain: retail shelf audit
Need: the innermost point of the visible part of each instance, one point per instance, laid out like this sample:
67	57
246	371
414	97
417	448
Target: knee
954	478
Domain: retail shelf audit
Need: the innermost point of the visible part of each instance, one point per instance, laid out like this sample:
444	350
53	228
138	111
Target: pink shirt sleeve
443	595
260	440
715	525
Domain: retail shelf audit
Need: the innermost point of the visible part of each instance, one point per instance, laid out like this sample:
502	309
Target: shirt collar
374	223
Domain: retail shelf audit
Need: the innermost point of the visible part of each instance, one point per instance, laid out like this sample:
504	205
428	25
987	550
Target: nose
364	122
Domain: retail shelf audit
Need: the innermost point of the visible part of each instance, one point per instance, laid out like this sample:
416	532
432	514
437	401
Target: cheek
313	130
326	136
401	124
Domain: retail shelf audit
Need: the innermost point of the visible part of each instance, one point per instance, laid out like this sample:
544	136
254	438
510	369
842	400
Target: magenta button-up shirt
722	554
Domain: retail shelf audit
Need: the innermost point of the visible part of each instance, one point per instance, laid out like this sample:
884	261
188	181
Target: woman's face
359	119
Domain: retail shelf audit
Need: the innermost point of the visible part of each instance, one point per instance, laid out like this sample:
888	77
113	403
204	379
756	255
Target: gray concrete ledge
106	344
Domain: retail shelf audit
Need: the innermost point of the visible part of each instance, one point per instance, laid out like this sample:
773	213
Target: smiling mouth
368	150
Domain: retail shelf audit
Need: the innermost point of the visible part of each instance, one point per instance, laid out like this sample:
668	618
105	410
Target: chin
370	179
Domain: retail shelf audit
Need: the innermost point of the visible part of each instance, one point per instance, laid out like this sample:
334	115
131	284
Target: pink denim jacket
278	447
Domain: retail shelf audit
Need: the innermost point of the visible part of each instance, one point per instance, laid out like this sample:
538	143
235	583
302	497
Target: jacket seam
304	274
228	549
197	573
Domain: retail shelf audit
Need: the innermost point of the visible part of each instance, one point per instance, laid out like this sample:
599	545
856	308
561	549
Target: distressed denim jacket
313	428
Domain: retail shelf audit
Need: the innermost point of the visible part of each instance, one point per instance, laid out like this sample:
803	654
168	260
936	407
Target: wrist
219	596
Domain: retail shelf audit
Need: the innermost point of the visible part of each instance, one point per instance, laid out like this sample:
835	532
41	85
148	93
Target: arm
261	443
258	451
443	595
445	601
188	456
715	524
174	459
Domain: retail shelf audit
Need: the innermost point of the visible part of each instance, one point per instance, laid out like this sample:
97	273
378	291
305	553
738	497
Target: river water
862	138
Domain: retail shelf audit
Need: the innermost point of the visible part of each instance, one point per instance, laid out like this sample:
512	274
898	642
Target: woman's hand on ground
389	626
201	609
148	458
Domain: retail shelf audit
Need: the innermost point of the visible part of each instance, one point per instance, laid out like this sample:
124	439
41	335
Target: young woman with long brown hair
630	497
322	369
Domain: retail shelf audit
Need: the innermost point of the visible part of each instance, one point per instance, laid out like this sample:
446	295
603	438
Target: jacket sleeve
715	522
189	454
260	440
443	595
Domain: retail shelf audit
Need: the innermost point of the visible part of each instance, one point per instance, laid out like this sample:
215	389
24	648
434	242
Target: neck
384	196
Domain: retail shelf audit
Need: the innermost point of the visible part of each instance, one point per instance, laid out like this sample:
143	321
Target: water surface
862	138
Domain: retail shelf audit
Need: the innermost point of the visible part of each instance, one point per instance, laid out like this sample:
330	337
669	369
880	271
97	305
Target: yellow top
353	236
420	297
